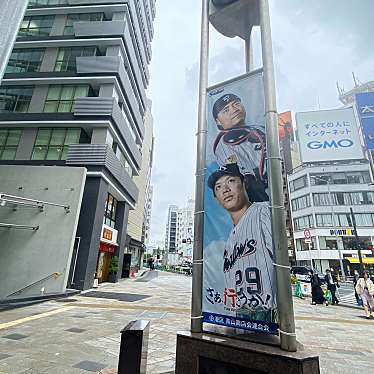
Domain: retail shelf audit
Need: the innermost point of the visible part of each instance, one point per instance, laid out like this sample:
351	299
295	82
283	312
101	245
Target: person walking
317	293
365	288
331	283
356	277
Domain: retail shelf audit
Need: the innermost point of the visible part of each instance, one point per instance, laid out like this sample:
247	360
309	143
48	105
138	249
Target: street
81	334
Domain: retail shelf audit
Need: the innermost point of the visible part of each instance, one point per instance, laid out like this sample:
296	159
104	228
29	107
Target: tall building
180	229
137	218
171	230
74	96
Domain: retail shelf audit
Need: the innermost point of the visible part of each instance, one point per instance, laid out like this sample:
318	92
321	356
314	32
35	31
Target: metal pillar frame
284	292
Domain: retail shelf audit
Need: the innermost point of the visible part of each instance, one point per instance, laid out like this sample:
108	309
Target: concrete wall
29	256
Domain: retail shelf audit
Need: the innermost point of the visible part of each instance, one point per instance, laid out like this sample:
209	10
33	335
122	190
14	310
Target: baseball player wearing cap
238	142
247	261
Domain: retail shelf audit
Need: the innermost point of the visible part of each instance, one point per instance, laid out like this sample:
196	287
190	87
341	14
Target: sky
315	44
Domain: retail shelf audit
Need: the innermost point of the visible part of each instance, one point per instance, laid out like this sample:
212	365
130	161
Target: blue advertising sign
365	110
239	287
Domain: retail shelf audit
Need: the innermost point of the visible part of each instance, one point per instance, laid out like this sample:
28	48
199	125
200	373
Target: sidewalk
82	334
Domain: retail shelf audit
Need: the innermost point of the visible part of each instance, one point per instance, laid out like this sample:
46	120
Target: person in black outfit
317	293
331	282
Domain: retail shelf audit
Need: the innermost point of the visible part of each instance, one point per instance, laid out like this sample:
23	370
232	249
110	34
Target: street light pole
358	243
197	279
284	293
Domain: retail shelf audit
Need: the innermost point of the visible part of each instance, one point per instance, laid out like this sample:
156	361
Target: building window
9	140
53	144
303	222
298	183
36	26
341	178
110	211
15	98
25	60
324	220
48	2
67	57
122	158
300	203
81	17
60	98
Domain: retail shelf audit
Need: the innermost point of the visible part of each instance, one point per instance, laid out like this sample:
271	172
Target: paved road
82	336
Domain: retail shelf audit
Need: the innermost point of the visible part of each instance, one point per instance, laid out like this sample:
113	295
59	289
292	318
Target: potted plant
113	270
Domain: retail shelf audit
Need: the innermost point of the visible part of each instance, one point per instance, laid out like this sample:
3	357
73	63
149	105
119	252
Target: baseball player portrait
247	258
240	142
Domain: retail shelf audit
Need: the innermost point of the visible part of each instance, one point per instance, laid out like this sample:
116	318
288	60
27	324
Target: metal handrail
22	227
4	196
53	275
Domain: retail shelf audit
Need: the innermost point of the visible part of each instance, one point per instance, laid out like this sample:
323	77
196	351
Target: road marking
16	322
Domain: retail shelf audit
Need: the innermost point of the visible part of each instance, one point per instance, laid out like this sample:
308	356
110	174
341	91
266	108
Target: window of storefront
53	144
15	98
25	60
60	98
36	26
343	198
67	57
72	18
110	211
9	140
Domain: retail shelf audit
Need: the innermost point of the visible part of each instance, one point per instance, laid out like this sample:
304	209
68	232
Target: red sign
307	234
106	248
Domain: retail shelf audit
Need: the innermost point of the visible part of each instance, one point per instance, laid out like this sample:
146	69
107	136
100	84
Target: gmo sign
342	143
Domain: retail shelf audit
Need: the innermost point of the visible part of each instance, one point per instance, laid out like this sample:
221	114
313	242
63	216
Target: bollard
134	348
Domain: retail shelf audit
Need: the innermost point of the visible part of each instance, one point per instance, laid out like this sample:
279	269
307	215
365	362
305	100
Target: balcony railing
107	106
102	155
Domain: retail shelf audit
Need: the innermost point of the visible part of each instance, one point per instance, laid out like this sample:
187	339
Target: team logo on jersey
240	250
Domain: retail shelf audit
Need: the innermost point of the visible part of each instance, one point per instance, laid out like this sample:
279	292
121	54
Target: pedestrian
317	293
331	283
365	288
356	277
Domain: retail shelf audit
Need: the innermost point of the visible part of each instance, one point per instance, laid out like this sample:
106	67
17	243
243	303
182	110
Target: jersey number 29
252	279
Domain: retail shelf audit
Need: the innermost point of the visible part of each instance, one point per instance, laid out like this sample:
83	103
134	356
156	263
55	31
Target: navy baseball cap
222	102
228	169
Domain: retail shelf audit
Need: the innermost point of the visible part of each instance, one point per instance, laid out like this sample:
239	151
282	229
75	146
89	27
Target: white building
321	196
179	229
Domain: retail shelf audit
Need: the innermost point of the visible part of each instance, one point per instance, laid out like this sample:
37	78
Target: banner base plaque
207	353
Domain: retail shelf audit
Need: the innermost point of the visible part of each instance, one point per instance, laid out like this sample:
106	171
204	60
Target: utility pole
358	242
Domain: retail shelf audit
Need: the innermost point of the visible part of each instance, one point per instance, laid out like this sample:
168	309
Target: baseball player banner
239	286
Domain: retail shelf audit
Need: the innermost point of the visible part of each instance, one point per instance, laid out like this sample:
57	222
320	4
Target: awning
355	260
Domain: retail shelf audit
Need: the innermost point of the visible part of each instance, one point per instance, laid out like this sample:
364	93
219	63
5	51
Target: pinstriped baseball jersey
248	262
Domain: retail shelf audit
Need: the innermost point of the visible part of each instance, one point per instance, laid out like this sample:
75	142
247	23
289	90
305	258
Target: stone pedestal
134	348
212	354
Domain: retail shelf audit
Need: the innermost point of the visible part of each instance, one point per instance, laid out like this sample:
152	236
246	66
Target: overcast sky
315	43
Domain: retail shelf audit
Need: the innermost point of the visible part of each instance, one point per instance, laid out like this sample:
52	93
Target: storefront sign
365	109
109	248
342	232
108	235
328	135
239	285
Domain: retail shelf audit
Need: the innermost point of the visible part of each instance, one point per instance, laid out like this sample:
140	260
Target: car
302	273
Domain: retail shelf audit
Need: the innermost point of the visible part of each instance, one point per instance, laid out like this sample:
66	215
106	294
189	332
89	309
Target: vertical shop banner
365	110
328	135
239	288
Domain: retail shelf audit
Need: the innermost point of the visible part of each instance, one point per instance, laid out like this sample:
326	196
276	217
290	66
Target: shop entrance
126	265
103	261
